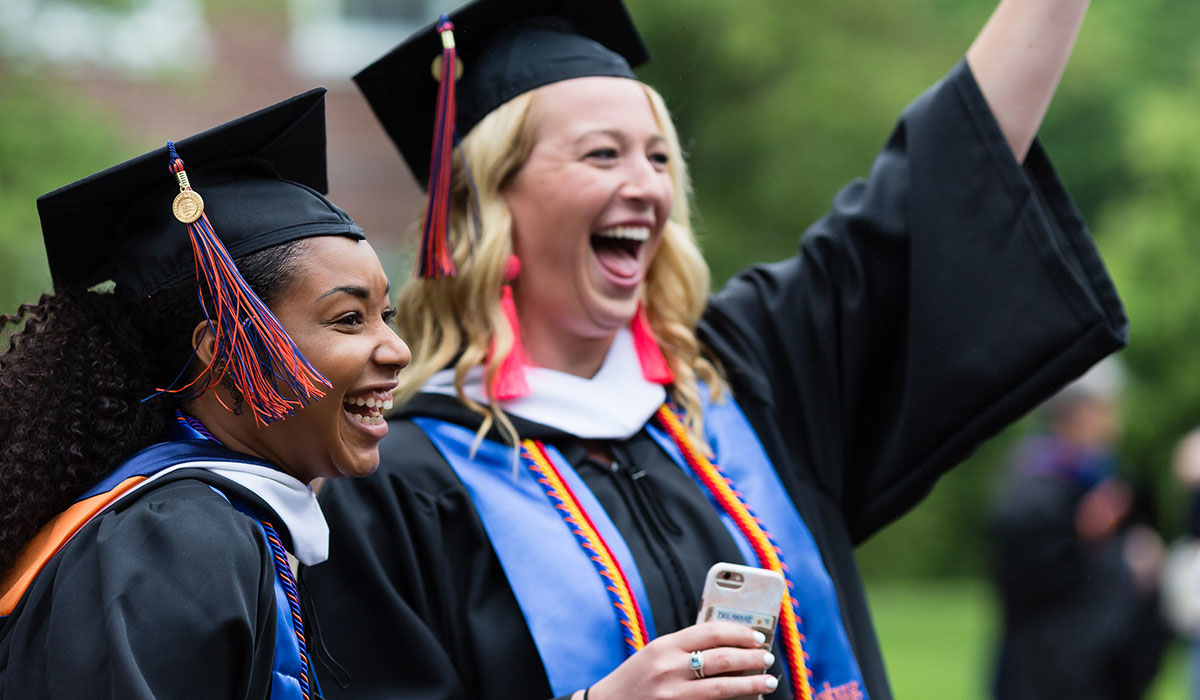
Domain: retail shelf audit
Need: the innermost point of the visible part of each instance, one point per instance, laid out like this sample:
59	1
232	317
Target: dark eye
603	154
660	159
389	315
351	320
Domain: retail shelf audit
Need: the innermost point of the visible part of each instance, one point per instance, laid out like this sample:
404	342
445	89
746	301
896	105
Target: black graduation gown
1076	625
168	594
937	301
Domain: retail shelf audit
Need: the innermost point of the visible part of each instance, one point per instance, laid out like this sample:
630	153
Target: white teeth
633	233
376	406
367	420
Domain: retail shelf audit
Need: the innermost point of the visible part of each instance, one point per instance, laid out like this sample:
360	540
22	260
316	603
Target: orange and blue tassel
437	258
251	344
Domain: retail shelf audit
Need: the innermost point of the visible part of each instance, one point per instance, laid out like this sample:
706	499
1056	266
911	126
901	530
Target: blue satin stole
572	620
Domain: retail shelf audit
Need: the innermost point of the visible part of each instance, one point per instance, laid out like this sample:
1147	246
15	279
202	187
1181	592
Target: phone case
743	594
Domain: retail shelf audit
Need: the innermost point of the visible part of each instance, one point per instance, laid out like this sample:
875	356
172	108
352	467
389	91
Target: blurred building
170	68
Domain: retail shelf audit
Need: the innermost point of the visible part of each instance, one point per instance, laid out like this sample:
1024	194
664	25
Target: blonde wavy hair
451	321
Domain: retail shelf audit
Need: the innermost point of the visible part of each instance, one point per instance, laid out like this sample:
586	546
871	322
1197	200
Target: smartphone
746	595
743	594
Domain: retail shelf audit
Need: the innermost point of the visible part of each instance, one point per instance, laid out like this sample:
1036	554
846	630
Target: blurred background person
1077	573
1181	579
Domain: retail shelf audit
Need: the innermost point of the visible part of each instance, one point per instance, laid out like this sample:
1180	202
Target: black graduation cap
261	177
152	222
506	48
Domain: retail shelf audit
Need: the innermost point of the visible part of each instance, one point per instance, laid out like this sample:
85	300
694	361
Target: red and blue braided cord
769	555
284	571
629	613
194	424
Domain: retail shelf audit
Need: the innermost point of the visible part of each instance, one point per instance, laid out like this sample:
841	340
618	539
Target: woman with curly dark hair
164	412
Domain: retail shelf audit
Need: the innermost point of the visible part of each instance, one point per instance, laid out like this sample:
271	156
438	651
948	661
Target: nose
392	351
643	182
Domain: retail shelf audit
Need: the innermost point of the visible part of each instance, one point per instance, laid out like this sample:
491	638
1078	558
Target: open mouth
367	408
618	249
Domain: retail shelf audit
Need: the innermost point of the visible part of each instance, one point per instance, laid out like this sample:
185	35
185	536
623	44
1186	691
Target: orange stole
53	536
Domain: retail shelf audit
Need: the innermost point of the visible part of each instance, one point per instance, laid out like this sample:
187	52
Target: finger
708	635
722	660
732	687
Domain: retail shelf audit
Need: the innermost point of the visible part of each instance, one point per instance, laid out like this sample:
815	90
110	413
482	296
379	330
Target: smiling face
588	207
338	313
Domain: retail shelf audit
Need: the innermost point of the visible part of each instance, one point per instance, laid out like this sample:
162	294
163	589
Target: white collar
292	500
613	405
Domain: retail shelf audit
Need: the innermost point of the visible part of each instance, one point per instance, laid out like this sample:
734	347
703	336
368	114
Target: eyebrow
360	292
617	134
356	291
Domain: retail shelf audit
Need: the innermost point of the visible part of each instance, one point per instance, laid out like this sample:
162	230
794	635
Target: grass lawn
938	638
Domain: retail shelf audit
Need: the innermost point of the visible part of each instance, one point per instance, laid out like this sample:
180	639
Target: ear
205	343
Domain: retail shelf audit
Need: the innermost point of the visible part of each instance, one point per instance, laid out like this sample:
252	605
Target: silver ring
696	663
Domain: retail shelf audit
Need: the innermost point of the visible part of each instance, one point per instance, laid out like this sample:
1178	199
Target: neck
231	430
553	349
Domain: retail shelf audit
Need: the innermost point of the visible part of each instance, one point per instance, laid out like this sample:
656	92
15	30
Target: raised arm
1018	59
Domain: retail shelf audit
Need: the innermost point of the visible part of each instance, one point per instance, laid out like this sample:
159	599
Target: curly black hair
73	380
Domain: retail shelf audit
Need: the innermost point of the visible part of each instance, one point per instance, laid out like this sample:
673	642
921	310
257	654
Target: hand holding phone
745	595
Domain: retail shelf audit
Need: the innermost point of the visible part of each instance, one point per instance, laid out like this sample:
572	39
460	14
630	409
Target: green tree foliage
47	139
1152	251
780	104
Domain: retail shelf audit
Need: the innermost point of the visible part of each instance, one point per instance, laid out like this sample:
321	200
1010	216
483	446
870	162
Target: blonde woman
585	432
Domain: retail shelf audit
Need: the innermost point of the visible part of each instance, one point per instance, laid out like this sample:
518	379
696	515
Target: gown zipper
637	493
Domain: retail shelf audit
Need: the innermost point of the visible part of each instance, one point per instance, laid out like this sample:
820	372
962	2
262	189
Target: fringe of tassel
437	259
251	345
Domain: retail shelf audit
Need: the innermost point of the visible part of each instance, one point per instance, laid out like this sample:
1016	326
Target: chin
361	465
615	316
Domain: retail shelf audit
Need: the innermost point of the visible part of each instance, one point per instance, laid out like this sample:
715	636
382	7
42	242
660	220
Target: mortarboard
261	177
503	48
506	48
147	224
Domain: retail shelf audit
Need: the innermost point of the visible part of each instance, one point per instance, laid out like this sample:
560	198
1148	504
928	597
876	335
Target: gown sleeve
164	599
938	300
